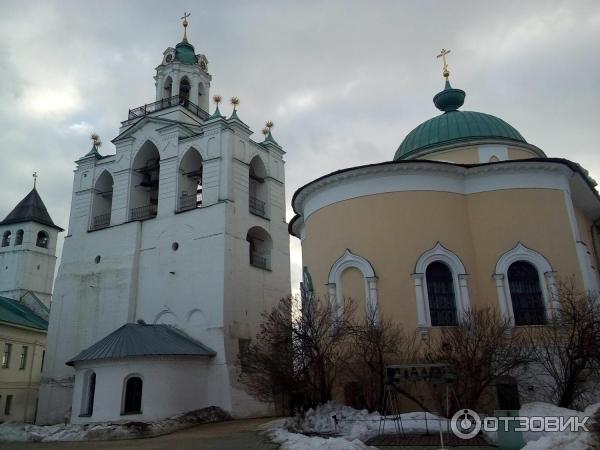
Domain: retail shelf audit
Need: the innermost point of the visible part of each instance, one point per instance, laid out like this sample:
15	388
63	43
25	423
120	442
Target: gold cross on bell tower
185	24
445	72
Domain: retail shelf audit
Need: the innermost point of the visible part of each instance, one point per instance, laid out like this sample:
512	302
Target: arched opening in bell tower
184	89
102	201
145	174
168	88
190	180
257	200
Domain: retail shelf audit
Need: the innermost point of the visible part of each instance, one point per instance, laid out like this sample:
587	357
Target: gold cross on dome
34	175
442	55
185	24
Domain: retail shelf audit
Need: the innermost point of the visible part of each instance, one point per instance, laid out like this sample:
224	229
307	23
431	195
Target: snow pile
554	440
296	441
360	424
19	432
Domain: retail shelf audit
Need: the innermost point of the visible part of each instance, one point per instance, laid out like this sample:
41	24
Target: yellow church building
467	214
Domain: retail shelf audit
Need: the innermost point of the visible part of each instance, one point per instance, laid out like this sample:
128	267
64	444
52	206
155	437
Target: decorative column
502	300
372	302
333	302
554	305
464	293
422	321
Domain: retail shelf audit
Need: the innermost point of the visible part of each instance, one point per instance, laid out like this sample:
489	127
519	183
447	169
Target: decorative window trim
546	275
459	276
334	285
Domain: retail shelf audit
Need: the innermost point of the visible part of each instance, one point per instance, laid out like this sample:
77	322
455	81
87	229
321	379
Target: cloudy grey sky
344	82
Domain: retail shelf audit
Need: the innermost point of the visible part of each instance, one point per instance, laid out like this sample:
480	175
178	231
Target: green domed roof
455	126
184	53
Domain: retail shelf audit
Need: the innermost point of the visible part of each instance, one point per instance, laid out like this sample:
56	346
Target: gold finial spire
442	55
34	175
185	24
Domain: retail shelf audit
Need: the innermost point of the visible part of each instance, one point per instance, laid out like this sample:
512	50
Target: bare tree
298	354
480	349
378	343
566	351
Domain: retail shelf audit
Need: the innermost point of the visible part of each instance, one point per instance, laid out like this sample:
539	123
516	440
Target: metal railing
258	260
187	202
101	221
165	103
257	207
143	212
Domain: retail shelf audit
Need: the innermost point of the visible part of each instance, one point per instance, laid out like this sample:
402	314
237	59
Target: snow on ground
353	427
559	440
20	432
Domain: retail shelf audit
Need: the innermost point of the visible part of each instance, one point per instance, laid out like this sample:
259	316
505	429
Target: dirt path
233	435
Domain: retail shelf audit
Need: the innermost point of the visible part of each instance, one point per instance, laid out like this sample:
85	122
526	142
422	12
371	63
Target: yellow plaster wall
392	230
463	155
520	153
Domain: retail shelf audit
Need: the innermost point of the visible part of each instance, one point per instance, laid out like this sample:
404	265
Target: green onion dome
454	126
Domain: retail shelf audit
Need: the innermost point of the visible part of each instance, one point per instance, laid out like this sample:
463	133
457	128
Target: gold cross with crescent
442	55
185	24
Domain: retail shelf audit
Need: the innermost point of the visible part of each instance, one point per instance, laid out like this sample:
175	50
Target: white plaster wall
170	386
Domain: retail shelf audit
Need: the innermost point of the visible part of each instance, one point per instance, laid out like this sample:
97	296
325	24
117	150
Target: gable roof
135	339
30	209
15	312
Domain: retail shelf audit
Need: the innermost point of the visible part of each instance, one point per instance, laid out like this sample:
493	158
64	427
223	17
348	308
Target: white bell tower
28	250
183	74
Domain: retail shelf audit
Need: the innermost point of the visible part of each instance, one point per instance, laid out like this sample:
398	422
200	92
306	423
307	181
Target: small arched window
42	239
6	238
526	294
259	245
19	238
90	392
440	291
257	189
133	396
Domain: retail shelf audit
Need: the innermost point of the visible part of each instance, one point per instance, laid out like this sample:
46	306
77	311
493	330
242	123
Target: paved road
233	435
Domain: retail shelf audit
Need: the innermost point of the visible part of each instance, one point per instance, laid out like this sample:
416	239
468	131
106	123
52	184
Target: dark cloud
343	81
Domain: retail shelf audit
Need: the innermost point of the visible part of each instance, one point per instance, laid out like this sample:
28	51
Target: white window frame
546	276
334	283
459	276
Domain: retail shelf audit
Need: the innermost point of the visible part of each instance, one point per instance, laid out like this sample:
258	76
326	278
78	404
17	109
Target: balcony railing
101	221
143	212
165	103
187	202
257	207
258	260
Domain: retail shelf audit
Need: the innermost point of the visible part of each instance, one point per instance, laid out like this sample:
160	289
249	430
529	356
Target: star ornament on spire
443	53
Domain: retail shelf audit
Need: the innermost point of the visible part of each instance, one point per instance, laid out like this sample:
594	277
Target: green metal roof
17	313
140	339
455	126
185	53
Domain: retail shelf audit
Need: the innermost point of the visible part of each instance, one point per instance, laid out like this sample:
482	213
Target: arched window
441	288
184	90
132	402
102	201
168	88
259	246
257	188
42	239
19	238
89	393
526	286
526	294
145	175
190	181
440	293
6	238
